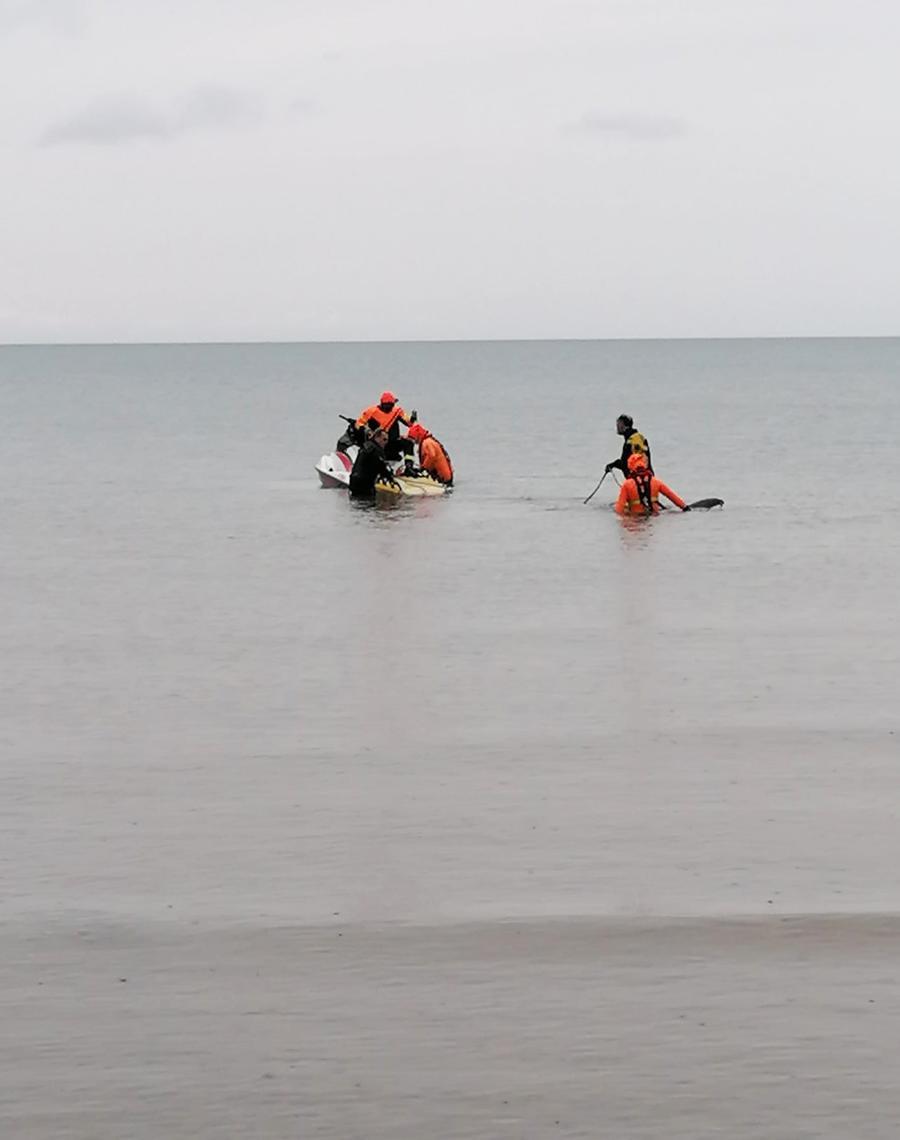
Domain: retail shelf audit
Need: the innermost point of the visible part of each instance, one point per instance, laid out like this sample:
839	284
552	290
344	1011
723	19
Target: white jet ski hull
334	469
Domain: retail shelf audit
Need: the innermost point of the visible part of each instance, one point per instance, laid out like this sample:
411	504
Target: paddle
597	488
705	504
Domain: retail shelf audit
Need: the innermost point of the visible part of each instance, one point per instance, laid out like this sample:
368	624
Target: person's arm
621	464
622	501
672	496
387	472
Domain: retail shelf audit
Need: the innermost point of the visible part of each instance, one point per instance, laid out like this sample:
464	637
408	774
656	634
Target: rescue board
410	485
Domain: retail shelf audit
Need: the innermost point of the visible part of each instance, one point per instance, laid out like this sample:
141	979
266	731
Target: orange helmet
388	398
637	461
416	433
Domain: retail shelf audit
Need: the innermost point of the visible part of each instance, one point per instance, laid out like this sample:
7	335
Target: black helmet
626	420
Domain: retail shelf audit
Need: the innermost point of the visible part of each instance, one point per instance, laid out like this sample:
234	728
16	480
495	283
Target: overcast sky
381	169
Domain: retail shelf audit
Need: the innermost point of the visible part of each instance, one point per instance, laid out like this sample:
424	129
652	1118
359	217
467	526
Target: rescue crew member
386	414
370	465
639	494
433	456
634	442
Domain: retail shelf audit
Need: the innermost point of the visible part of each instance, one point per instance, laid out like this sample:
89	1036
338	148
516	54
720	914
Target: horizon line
436	340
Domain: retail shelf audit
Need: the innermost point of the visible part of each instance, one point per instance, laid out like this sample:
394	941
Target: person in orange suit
388	415
433	456
639	494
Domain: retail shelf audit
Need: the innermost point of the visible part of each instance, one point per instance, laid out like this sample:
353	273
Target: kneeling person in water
641	490
369	466
433	456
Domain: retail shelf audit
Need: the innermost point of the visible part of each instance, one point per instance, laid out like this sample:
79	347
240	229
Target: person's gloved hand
413	416
685	508
608	468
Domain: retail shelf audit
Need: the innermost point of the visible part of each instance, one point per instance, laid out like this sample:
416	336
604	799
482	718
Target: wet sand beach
773	1027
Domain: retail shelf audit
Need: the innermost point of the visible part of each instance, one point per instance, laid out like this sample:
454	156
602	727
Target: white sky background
403	169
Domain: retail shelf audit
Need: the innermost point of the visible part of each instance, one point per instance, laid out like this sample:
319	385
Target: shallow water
237	704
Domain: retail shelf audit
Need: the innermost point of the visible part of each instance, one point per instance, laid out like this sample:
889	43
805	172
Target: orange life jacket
381	418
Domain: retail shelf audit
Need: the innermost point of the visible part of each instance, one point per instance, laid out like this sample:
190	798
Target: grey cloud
108	122
631	127
122	119
211	107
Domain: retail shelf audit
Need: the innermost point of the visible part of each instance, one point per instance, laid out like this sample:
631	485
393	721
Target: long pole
597	488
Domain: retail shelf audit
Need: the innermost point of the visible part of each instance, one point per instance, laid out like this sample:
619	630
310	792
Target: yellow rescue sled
411	485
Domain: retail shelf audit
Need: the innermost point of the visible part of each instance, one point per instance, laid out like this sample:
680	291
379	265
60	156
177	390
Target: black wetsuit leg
368	468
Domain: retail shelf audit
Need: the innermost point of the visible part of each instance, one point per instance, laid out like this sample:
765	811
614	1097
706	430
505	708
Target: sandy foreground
769	1027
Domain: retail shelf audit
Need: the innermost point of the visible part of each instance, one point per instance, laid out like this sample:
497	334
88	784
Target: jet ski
334	469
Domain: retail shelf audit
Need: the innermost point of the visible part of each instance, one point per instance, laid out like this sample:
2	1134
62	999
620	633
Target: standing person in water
639	494
386	414
370	465
634	443
433	456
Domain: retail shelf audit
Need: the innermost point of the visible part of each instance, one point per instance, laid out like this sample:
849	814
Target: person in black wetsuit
369	466
634	442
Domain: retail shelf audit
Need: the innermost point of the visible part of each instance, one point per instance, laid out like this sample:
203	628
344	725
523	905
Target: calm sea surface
527	761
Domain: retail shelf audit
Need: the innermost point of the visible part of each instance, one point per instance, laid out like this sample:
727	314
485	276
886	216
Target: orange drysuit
629	501
435	460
